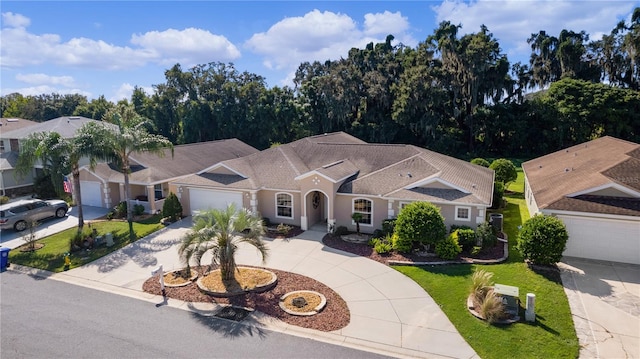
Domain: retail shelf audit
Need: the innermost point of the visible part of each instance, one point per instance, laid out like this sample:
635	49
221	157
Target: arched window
365	208
284	205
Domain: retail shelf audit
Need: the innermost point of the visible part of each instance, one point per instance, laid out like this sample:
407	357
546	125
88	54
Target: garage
603	239
91	193
203	199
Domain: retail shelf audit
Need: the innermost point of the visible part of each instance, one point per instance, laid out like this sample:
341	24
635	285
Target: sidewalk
390	313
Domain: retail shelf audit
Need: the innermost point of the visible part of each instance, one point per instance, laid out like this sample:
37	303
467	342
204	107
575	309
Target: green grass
551	336
51	256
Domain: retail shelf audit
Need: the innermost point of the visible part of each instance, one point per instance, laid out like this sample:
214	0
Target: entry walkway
390	313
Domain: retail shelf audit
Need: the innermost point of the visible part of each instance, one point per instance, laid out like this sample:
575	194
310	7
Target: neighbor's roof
149	168
392	171
11	124
66	126
588	167
8	160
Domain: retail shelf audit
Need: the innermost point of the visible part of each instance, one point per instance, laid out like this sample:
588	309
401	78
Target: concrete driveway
605	305
12	239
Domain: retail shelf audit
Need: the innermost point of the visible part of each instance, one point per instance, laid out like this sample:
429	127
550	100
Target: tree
172	207
220	231
116	143
505	171
357	217
542	239
480	162
58	156
420	223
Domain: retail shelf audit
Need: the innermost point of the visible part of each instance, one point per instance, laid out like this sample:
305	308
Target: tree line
456	94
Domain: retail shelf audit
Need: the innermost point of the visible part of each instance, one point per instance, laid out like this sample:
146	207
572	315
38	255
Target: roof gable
66	126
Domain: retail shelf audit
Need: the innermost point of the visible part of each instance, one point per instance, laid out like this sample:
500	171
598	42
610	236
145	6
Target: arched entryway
317	210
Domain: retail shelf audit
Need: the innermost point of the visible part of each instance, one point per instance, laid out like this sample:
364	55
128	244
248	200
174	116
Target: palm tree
357	217
220	232
117	143
58	156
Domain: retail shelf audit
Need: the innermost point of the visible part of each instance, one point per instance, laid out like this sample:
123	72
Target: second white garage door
609	240
91	193
203	199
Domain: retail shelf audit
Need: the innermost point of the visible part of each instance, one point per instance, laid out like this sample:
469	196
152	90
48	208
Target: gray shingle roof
66	126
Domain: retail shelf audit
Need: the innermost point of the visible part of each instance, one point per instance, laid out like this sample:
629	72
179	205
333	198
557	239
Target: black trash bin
4	258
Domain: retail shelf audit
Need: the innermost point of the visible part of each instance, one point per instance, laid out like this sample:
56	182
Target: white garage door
609	240
91	193
203	199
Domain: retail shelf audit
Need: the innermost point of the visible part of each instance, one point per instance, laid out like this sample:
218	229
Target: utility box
109	239
509	296
530	312
4	258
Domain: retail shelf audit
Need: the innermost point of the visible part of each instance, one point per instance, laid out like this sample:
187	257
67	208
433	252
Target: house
9	148
322	180
594	188
103	186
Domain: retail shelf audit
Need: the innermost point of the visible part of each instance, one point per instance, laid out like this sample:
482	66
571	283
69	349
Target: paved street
75	322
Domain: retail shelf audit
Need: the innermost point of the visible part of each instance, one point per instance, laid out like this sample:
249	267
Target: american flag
66	184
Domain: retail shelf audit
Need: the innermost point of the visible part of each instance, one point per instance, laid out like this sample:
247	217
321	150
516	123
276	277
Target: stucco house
322	180
594	188
103	186
12	132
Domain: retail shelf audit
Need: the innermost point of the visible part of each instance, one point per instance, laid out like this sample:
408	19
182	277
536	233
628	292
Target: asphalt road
44	318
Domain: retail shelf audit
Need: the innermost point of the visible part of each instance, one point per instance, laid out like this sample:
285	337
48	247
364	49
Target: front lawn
51	256
551	336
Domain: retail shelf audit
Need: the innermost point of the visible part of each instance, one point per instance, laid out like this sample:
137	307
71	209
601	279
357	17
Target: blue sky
107	47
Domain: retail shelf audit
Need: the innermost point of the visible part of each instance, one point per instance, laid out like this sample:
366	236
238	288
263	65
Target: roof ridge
394	164
279	149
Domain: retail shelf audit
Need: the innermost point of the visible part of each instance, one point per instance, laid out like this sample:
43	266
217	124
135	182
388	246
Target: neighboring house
322	180
9	147
103	186
594	188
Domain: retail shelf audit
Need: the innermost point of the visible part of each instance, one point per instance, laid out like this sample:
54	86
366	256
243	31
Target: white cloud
43	79
512	22
323	36
190	46
126	90
10	19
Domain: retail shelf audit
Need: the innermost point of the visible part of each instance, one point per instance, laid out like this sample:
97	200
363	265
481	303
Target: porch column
151	198
254	202
390	211
107	194
122	193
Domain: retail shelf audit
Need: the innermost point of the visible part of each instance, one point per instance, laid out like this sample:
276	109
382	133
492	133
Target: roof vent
540	166
567	150
74	117
409	175
13	119
566	170
474	185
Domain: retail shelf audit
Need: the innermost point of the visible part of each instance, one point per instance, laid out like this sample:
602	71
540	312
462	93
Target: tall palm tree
117	143
220	232
58	156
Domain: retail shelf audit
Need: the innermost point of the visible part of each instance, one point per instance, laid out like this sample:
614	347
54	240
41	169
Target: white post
530	312
159	271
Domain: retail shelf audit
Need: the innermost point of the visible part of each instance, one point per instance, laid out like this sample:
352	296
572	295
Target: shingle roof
373	169
8	160
606	161
11	124
66	126
187	159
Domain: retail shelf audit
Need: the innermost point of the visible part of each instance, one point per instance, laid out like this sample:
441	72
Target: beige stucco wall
344	209
267	207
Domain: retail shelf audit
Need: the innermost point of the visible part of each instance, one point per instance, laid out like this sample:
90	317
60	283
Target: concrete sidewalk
390	313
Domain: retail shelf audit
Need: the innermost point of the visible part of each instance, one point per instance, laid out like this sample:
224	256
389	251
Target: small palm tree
220	232
357	217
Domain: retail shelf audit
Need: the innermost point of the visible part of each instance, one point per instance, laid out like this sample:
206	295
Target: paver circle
287	298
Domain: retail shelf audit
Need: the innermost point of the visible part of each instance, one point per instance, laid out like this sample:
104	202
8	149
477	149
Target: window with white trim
365	208
158	193
463	213
284	205
404	204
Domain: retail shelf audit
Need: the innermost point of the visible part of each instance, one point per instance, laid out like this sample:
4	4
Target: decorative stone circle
297	300
258	289
187	281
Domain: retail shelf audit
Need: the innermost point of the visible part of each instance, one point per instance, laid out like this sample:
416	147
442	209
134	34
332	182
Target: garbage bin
4	258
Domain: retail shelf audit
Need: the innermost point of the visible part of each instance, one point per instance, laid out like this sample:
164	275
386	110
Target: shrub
542	239
420	223
480	162
266	221
4	199
454	227
378	233
138	209
448	248
476	250
172	207
382	247
485	236
466	238
120	210
341	231
491	308
498	193
388	226
505	170
373	241
401	245
480	285
283	228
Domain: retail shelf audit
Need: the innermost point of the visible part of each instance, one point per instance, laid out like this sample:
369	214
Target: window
463	213
365	208
404	204
158	191
284	205
1	145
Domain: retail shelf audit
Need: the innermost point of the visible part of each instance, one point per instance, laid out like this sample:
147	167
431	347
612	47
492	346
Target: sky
106	48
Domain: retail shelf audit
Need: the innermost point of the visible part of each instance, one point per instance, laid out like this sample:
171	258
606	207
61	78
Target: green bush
476	250
121	210
485	235
466	238
401	245
138	209
172	207
341	231
505	170
420	223
382	247
480	162
498	194
455	227
448	248
388	226
283	228
373	241
542	239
